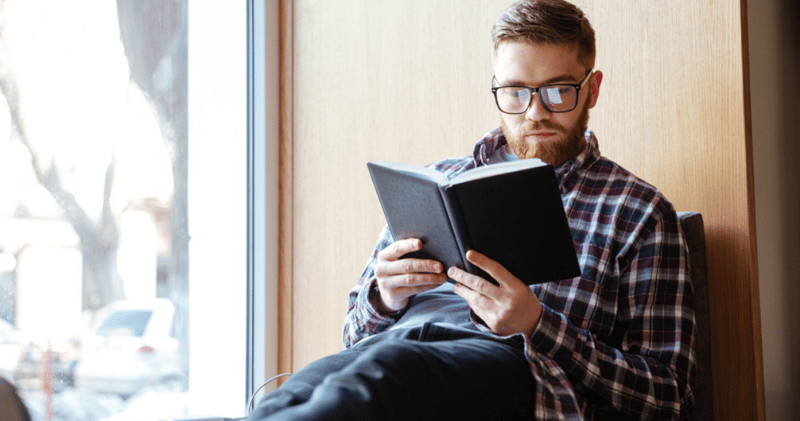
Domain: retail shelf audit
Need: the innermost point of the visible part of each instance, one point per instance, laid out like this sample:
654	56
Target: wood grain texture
369	85
285	191
409	81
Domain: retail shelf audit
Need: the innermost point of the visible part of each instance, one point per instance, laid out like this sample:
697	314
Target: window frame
236	164
263	191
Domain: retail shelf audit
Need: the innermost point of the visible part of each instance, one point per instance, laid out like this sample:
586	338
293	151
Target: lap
427	372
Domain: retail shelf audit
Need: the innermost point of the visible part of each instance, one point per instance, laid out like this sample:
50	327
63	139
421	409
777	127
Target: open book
510	212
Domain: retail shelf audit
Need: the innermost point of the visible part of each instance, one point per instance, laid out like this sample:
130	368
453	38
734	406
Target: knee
396	361
399	351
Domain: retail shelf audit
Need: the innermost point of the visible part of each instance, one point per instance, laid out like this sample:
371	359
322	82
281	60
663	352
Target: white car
131	347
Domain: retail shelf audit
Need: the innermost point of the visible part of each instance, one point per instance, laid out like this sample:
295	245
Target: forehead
533	64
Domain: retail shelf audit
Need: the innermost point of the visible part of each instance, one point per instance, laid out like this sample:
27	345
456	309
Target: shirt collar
567	173
488	145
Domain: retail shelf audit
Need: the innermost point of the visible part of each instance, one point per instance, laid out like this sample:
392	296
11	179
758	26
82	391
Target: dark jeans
418	374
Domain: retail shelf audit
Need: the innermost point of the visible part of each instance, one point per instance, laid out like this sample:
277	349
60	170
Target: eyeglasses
556	98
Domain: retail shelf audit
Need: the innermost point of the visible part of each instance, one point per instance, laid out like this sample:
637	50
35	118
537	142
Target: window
132	153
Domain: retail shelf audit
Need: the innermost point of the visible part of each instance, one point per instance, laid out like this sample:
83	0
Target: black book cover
515	218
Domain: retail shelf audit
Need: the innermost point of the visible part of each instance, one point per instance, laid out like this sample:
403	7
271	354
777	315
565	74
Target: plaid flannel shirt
616	342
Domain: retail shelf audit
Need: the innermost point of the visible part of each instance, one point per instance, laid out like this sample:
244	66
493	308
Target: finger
478	302
396	290
400	248
411	280
415	286
473	282
407	266
494	269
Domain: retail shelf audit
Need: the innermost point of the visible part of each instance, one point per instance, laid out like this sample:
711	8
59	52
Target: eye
553	94
521	94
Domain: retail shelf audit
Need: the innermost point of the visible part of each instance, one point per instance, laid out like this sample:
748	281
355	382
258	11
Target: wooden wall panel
408	81
372	80
285	189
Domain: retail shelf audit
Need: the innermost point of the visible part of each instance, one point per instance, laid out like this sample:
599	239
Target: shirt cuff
550	338
368	314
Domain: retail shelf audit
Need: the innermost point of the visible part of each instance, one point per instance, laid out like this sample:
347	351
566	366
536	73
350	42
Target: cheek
564	120
512	121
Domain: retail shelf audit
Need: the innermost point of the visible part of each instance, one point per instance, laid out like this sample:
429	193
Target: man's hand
399	279
508	308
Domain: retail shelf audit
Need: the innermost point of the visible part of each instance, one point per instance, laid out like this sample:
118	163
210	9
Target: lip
541	134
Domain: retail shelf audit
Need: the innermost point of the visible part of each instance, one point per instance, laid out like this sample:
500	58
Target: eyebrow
557	79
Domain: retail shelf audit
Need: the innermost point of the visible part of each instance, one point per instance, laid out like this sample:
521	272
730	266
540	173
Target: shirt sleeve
363	320
647	372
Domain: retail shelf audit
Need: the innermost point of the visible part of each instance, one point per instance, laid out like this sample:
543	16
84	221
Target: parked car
10	349
130	347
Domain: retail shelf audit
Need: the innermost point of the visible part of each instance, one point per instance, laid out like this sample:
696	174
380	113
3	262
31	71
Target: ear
594	87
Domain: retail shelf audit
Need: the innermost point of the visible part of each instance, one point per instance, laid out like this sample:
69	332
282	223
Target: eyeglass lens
556	98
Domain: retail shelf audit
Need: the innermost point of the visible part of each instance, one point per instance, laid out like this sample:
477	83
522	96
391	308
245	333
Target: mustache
539	125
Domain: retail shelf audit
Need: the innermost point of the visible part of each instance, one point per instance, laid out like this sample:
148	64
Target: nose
537	111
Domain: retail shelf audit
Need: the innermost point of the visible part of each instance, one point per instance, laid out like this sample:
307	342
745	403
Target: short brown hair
547	22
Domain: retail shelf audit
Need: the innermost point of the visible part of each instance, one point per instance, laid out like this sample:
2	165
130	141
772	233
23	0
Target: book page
416	171
487	171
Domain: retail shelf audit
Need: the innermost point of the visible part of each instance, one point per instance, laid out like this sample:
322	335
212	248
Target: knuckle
404	246
482	286
408	266
409	279
397	247
492	266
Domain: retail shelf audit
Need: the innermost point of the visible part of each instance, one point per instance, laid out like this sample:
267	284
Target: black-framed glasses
556	98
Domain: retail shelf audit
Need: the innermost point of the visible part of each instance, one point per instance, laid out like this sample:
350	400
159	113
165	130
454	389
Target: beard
567	145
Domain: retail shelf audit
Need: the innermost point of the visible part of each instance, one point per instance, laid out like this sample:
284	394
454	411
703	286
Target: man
615	343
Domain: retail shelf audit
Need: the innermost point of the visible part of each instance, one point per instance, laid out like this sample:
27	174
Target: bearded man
616	342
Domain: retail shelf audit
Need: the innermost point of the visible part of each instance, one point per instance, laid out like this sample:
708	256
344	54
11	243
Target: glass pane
94	233
125	323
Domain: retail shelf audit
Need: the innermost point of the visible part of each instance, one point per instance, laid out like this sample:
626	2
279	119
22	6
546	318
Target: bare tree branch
99	242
